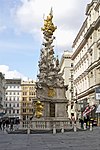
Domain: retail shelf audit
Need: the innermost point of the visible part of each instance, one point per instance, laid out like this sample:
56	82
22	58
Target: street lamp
75	107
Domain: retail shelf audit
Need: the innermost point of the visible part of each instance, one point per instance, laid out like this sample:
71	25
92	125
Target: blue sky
21	37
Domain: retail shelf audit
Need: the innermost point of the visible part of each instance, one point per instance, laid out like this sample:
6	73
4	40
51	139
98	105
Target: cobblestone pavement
82	140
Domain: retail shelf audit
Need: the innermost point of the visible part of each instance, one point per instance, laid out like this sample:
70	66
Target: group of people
86	120
7	124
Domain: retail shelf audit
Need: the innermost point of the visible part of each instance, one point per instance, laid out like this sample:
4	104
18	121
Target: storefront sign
97	93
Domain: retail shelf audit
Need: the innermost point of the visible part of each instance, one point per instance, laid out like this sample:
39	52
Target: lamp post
30	119
75	112
75	107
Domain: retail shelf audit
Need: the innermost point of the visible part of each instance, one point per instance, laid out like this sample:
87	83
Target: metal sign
98	109
97	93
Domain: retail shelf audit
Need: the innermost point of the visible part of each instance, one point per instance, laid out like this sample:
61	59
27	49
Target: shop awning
2	114
98	109
88	109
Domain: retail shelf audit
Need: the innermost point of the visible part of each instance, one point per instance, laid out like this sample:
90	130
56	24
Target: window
71	106
91	74
71	64
17	105
17	111
30	110
24	98
24	104
10	99
52	110
24	110
71	76
24	93
9	111
29	99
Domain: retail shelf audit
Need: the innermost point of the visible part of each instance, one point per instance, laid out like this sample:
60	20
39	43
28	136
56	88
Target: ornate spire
49	27
48	64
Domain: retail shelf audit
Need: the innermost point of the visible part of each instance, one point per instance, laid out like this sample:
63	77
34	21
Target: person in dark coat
81	121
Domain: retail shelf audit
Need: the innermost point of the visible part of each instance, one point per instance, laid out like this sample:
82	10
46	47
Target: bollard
28	131
75	129
91	128
62	129
84	126
54	129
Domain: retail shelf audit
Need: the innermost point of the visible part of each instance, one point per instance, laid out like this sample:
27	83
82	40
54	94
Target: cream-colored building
28	94
86	57
66	68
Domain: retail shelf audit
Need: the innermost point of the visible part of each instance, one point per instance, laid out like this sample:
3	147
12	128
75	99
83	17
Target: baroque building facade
2	94
86	57
66	68
28	97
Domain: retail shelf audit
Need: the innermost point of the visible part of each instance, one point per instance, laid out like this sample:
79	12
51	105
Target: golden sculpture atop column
49	27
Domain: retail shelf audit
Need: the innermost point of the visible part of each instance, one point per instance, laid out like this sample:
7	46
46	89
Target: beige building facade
28	94
86	57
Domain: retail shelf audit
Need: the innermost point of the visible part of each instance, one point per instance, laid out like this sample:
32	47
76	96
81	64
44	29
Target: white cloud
10	74
68	16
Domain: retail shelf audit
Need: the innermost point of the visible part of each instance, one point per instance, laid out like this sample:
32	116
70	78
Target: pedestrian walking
11	126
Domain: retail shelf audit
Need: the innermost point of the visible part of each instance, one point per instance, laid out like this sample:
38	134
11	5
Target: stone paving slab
83	140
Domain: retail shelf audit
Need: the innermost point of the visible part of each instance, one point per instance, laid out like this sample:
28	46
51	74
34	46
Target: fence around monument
47	125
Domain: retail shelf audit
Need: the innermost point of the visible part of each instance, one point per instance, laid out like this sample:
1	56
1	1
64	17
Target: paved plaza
81	140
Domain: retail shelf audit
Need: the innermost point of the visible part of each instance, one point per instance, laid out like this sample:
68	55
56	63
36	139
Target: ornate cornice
90	5
80	32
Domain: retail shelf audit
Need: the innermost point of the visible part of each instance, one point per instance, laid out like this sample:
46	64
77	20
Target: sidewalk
85	140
